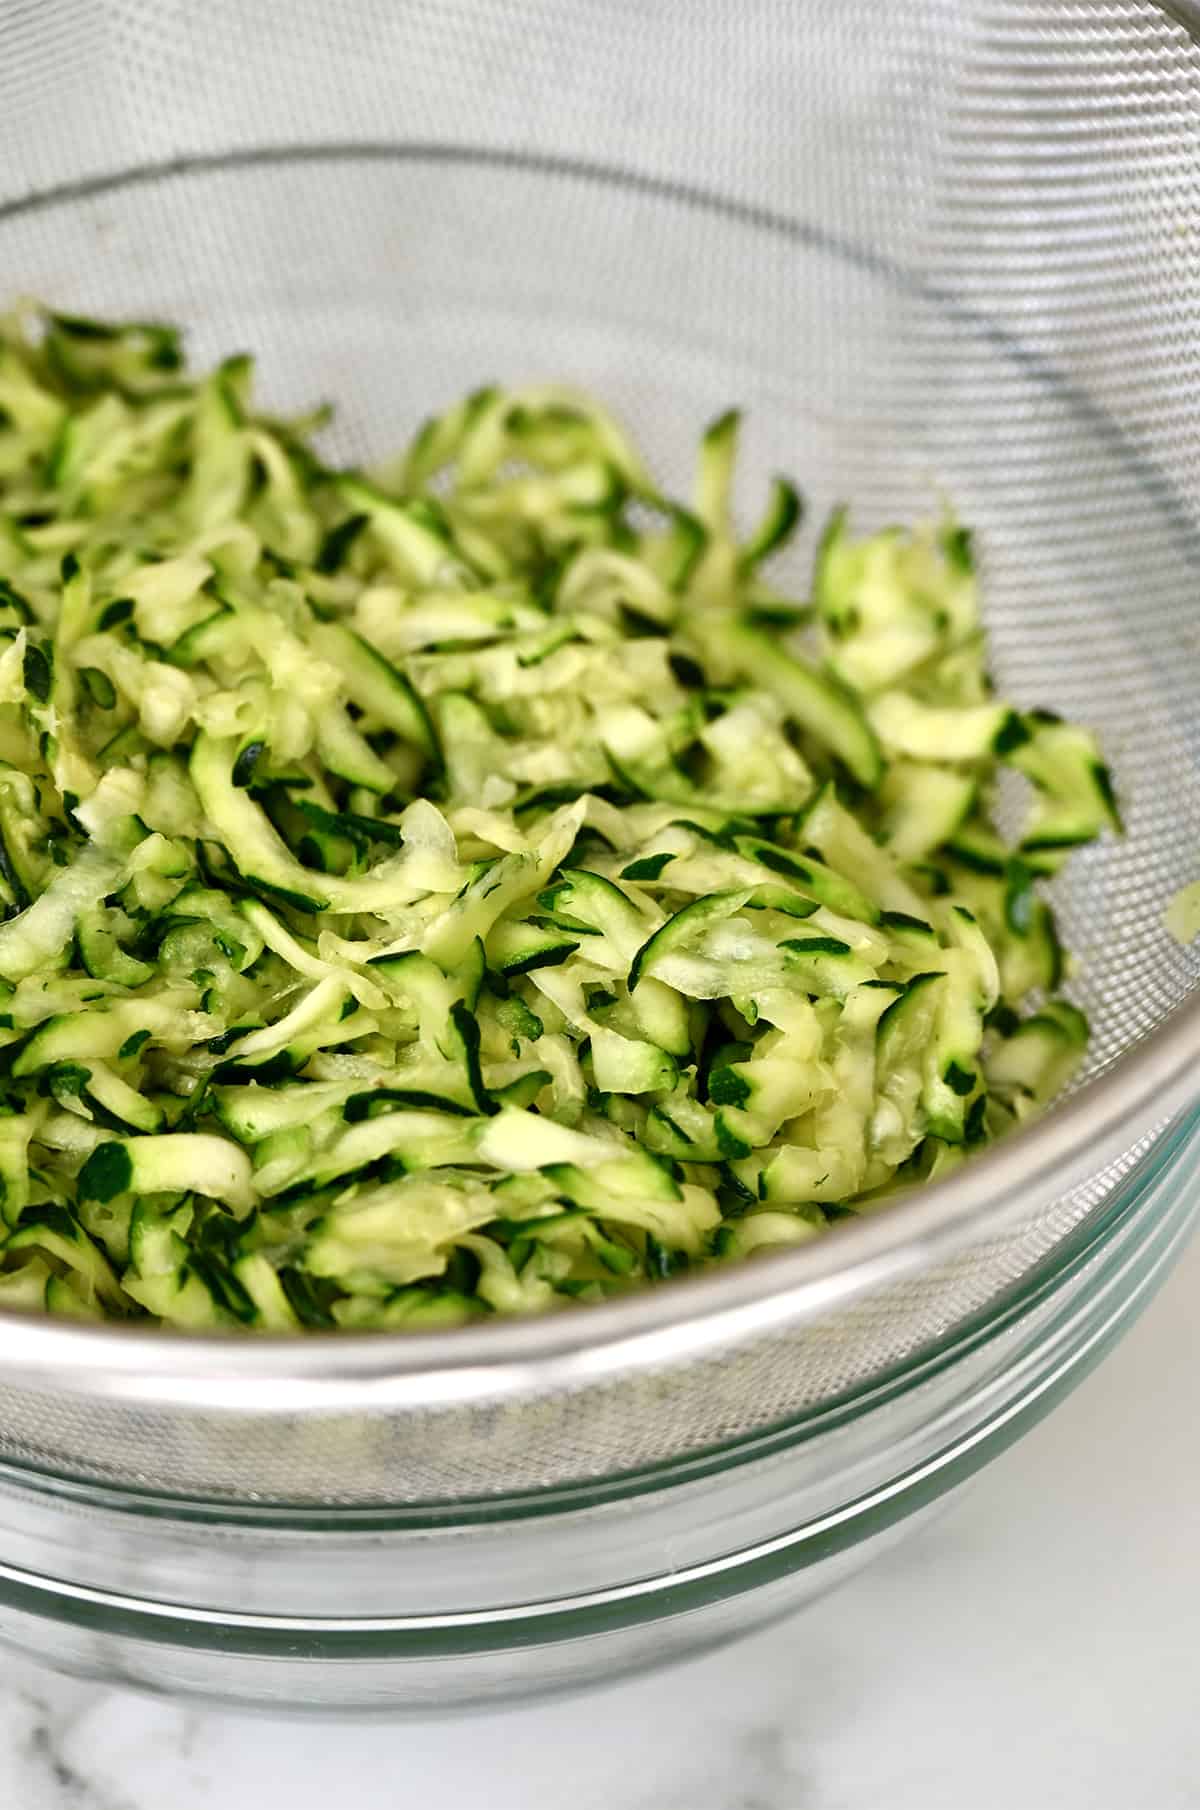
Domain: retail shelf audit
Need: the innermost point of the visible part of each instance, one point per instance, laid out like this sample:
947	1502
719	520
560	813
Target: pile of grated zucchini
470	886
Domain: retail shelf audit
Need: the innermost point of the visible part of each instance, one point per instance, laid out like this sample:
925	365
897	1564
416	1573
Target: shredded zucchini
468	886
1182	916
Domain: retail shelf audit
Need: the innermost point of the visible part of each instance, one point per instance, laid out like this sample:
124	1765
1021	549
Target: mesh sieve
943	246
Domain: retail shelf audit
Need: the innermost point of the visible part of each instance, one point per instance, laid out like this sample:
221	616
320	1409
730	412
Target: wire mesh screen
940	248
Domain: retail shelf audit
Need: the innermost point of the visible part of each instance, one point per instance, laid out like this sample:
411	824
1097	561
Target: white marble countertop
1035	1649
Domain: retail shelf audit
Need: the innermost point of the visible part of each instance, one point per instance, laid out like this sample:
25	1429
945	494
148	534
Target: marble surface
1035	1649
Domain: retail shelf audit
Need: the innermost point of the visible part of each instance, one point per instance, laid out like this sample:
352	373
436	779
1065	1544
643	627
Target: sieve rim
658	1328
